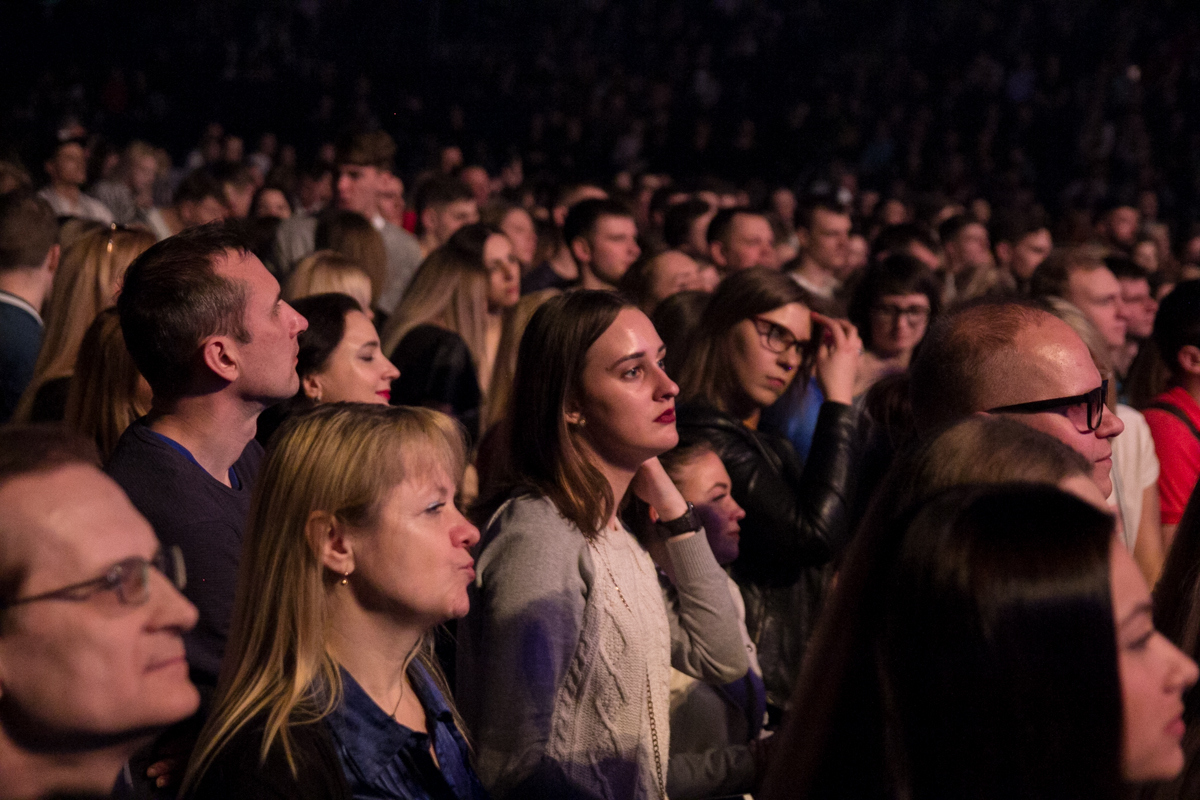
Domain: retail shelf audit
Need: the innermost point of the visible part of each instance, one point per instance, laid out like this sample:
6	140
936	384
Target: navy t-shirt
204	517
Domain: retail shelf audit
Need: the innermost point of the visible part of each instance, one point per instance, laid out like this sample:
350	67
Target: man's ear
716	254
581	250
50	262
219	356
327	536
1004	253
1189	359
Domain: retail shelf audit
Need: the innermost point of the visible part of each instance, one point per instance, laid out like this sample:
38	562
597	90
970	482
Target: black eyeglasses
128	580
913	315
779	339
1085	411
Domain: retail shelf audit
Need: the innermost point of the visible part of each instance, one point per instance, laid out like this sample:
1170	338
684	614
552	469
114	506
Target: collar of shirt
379	222
371	738
11	299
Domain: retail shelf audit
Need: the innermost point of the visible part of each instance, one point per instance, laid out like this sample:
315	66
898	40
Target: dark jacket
237	773
796	524
437	371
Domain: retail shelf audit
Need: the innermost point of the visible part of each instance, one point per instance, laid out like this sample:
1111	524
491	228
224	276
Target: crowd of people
624	465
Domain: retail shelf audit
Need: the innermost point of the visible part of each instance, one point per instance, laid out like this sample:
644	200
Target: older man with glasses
92	661
1016	359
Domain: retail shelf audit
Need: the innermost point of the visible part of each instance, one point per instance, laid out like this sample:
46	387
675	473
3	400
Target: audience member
206	326
238	187
515	223
651	280
329	271
107	393
1016	359
91	644
28	259
756	336
1021	241
824	262
1080	276
602	237
271	201
739	239
1138	307
352	235
129	194
1174	416
67	169
443	205
354	553
685	227
1118	225
199	200
563	660
87	282
970	269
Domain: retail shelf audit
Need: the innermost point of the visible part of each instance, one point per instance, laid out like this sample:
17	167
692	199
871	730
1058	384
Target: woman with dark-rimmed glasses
757	335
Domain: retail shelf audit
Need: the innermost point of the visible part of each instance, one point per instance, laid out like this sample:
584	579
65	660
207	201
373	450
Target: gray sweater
562	642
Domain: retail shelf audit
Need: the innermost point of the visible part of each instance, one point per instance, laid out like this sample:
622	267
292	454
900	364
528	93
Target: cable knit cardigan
553	660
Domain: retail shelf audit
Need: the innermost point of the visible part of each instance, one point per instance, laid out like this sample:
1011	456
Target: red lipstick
667	417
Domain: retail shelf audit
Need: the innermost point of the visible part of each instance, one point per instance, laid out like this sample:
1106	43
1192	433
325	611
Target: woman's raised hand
652	484
837	358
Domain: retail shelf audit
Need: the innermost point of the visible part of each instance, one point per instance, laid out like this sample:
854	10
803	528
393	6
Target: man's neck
588	280
813	274
67	191
214	428
428	244
44	774
1191	385
27	284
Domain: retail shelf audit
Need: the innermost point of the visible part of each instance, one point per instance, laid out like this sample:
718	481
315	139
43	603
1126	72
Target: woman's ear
311	384
328	537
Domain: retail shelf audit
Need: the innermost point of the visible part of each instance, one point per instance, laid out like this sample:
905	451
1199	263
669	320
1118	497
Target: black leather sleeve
796	517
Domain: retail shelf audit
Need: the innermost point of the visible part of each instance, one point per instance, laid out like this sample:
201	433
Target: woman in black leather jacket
756	336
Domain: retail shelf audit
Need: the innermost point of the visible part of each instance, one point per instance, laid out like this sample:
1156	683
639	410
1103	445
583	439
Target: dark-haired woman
563	661
756	337
892	307
339	360
1005	650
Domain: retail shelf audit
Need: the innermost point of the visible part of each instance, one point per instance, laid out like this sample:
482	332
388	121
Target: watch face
688	523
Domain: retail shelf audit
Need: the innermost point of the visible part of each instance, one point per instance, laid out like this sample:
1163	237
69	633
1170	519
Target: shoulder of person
240	771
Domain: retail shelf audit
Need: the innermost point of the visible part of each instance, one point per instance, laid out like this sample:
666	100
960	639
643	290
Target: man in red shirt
1174	416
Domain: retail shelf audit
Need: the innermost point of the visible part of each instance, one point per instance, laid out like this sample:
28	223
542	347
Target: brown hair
103	398
353	235
707	373
544	453
1052	278
28	229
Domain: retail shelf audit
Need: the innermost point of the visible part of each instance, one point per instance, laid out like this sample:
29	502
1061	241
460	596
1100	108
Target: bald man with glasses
92	662
1015	359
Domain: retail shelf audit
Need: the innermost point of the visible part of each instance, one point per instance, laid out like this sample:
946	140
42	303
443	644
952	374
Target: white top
1135	467
84	207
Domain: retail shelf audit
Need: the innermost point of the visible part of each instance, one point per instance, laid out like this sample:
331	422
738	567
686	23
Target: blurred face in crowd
1139	307
69	165
625	413
704	482
390	198
898	323
1121	225
763	373
92	672
416	558
1029	252
266	364
358	189
519	228
750	243
238	198
476	178
672	272
210	209
697	241
1098	295
272	203
442	222
316	194
611	248
827	242
1154	676
504	272
860	253
970	248
357	370
1051	361
142	173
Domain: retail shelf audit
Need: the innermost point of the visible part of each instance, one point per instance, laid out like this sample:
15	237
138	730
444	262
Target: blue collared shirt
384	760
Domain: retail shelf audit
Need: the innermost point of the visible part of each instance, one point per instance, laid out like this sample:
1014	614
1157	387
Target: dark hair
544	455
708	373
677	319
957	358
1014	224
954	226
1178	322
897	274
365	149
326	315
172	299
197	186
227	172
807	210
896	238
583	216
1125	268
28	229
1052	278
440	191
971	648
720	227
679	218
684	453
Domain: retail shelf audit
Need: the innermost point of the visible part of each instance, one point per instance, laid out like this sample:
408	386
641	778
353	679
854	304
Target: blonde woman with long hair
107	392
354	553
87	282
445	335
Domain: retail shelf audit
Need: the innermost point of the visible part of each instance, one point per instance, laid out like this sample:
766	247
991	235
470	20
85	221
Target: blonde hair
340	458
87	282
329	271
103	398
449	290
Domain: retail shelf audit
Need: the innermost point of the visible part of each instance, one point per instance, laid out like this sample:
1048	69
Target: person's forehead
69	524
793	316
1134	286
672	261
631	332
610	224
245	266
911	299
1099	281
824	219
751	225
1049	360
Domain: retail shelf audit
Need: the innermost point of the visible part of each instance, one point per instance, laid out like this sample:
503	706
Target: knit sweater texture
553	658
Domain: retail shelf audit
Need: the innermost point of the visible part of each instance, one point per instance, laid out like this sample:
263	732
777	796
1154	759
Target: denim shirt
384	760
